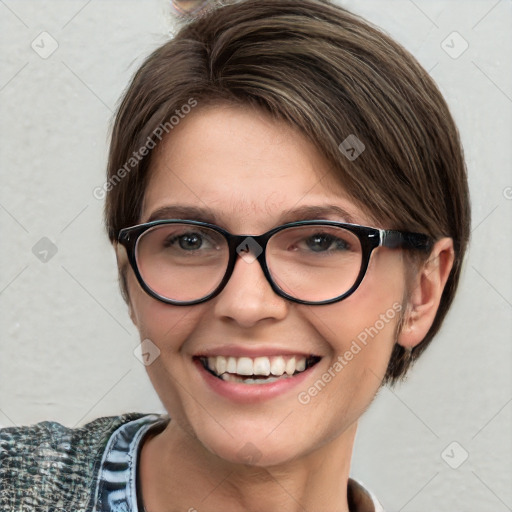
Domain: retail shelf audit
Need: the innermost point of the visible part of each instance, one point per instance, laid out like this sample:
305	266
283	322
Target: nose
248	297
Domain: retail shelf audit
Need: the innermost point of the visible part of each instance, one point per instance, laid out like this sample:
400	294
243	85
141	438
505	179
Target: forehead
244	166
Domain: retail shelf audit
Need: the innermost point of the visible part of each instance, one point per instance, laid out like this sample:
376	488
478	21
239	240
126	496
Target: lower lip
248	393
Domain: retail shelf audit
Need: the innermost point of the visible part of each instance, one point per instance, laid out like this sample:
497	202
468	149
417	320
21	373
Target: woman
288	203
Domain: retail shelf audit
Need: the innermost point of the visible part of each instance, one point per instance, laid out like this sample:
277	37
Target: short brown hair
329	73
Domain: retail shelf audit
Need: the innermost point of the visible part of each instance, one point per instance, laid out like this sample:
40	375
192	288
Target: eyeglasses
185	262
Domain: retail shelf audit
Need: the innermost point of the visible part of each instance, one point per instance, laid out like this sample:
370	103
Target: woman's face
248	170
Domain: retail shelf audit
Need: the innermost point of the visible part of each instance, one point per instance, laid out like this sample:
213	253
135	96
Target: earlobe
132	314
122	265
131	310
426	293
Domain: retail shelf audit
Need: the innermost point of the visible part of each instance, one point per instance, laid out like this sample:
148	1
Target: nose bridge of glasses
248	247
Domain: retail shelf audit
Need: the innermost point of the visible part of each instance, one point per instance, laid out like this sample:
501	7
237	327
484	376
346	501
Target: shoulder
48	464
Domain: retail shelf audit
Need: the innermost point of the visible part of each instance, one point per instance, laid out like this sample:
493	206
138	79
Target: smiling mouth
257	370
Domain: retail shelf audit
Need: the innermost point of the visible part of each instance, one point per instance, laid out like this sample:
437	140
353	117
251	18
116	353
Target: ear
123	269
425	294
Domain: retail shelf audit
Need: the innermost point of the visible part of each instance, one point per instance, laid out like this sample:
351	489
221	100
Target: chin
251	446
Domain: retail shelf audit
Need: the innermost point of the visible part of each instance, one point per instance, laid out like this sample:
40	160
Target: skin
249	168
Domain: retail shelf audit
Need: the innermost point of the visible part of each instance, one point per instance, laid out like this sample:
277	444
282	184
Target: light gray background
67	343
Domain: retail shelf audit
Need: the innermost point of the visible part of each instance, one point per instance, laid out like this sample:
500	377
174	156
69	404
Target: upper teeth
276	365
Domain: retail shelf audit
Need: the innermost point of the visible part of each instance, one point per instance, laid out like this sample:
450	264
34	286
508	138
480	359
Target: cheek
165	325
361	339
362	328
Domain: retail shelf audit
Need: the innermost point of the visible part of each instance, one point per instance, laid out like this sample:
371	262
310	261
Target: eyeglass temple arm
401	239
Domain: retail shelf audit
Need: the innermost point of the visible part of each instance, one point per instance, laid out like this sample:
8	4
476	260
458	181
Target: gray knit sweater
48	467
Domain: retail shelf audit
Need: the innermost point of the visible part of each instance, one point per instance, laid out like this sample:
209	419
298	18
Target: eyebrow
205	214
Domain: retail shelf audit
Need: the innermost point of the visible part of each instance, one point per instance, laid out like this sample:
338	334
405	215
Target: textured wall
67	343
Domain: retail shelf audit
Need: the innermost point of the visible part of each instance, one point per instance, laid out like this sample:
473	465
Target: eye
322	242
191	241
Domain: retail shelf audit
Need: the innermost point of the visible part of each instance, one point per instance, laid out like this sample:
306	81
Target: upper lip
247	351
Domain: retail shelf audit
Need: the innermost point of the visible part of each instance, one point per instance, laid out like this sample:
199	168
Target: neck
176	469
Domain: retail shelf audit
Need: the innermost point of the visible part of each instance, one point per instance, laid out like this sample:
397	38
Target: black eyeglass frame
369	237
